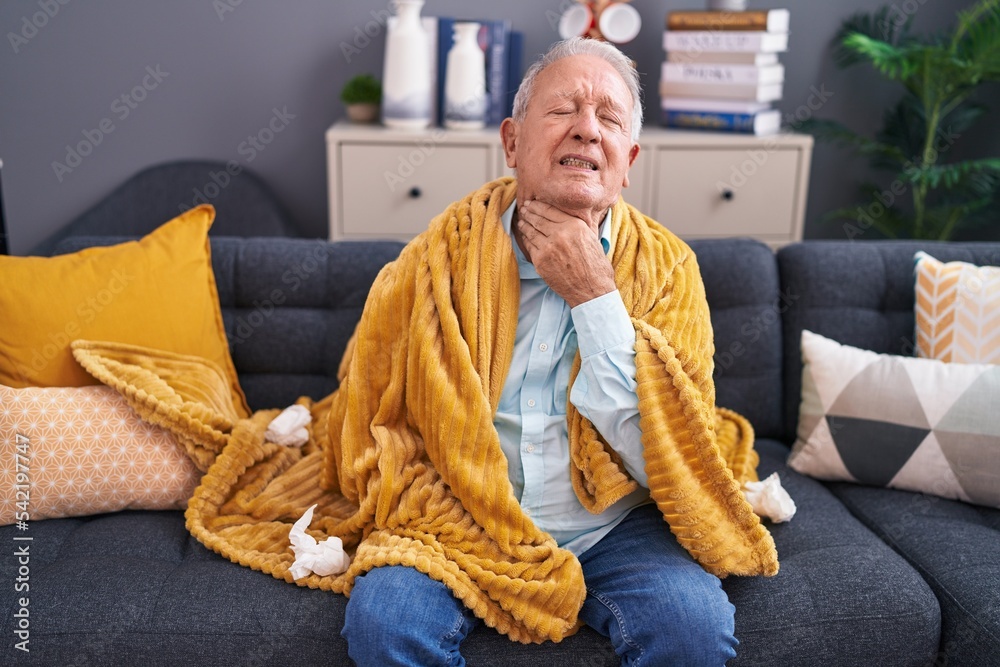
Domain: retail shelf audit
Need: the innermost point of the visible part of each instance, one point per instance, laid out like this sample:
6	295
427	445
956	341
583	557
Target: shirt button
529	448
531	402
543	347
527	512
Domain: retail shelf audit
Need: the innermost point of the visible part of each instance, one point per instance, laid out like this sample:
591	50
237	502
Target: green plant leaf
976	176
885	24
960	118
841	135
891	61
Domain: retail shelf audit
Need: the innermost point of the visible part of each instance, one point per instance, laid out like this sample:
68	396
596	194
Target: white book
722	58
699	73
709	104
717	40
765	92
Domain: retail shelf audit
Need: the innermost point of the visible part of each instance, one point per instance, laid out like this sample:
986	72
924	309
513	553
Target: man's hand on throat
566	252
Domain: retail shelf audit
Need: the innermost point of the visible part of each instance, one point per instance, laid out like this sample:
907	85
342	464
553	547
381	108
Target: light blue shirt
531	416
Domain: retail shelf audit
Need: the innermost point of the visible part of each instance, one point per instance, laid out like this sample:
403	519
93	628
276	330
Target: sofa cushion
842	596
158	291
140	587
134	587
955	548
859	293
902	422
741	283
73	451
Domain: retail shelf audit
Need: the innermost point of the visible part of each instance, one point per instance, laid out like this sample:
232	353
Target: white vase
465	81
406	79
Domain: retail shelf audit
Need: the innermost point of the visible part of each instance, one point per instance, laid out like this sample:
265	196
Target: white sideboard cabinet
388	184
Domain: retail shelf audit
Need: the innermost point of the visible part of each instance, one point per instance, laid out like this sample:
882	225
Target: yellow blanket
411	466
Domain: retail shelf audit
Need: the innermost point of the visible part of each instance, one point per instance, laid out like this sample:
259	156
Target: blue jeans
644	592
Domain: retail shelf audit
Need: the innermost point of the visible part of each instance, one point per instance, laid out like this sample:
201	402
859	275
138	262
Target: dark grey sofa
868	576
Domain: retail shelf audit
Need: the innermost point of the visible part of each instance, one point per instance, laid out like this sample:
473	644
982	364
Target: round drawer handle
415	192
727	194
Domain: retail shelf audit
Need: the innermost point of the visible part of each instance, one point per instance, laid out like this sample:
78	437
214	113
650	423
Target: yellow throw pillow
82	450
158	292
957	311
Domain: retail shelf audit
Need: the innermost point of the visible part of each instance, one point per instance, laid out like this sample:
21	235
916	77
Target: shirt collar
525	268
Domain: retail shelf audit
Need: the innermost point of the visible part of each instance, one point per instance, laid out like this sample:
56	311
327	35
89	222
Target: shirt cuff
602	323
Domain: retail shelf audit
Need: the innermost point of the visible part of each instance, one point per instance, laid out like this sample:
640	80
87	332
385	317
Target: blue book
515	54
497	34
445	40
762	122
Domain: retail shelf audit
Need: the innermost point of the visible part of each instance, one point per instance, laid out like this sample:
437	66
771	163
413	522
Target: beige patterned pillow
902	422
82	450
957	310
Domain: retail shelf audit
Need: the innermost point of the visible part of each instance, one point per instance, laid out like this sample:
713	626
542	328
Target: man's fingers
547	211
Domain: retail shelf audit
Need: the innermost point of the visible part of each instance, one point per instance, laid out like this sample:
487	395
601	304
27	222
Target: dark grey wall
225	66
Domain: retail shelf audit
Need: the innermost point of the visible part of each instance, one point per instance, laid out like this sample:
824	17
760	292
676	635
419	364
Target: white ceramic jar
406	78
465	81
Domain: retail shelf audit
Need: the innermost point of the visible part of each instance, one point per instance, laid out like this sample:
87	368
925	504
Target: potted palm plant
362	95
927	197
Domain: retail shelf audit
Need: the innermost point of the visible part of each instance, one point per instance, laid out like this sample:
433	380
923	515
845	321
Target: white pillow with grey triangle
901	422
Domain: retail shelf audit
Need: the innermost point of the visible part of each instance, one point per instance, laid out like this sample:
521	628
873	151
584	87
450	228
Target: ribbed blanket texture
404	461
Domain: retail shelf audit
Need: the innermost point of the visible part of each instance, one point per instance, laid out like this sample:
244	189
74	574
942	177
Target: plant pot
362	112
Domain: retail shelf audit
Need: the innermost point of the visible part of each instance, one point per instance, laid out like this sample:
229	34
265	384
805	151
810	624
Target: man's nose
587	128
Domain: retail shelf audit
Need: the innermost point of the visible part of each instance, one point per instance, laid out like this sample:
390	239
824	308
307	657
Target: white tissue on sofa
769	499
289	428
311	557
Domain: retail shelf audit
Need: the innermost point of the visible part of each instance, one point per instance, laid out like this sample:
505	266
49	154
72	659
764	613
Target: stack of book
722	71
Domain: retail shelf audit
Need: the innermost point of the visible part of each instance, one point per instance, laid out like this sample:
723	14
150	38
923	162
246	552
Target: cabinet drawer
688	198
394	190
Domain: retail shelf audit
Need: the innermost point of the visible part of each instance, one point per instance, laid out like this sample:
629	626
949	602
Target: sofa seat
842	596
956	550
142	590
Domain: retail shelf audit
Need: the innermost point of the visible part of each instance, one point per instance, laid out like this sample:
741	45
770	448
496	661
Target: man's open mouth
578	162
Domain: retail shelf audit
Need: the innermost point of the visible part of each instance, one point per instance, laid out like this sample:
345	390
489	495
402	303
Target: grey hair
579	46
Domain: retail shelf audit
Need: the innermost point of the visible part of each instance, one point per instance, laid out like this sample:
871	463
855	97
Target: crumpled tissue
311	557
769	499
289	428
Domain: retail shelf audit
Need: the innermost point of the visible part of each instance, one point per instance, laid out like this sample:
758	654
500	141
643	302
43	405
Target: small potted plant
362	95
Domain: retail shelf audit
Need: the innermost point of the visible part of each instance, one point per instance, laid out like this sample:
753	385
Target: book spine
496	68
705	120
741	42
717	20
515	54
445	40
767	92
742	74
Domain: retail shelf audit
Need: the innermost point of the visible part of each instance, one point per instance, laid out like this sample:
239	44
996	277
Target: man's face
574	147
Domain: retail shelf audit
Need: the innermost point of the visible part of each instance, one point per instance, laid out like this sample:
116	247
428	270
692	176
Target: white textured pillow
902	422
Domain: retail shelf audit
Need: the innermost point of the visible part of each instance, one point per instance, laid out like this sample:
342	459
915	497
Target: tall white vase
406	79
465	81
